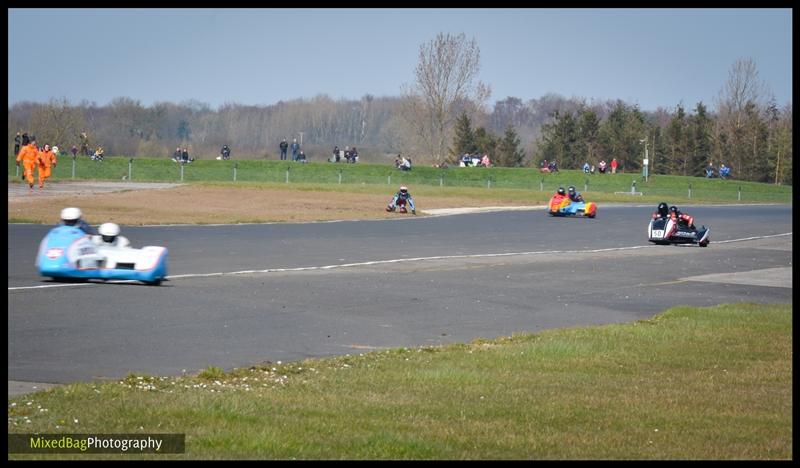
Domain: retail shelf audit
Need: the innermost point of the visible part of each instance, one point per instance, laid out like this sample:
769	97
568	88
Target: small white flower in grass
656	430
13	404
279	362
75	421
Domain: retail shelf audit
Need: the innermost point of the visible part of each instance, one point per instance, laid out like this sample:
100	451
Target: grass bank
349	175
691	383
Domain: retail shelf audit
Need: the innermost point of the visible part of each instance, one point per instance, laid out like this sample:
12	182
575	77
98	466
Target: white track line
380	262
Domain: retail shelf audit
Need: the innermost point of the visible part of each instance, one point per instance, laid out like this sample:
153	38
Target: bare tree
445	76
742	93
743	86
57	123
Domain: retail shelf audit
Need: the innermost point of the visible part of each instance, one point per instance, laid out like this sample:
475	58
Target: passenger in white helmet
109	236
72	217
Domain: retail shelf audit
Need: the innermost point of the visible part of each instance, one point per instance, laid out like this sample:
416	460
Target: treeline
754	139
756	143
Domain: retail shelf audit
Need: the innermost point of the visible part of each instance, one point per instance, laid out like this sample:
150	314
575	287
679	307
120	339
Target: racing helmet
403	189
663	210
673	210
109	231
571	189
561	191
71	215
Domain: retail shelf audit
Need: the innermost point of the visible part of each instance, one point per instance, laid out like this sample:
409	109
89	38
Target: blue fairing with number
68	252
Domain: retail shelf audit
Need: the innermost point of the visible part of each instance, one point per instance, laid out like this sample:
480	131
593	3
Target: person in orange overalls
46	159
29	155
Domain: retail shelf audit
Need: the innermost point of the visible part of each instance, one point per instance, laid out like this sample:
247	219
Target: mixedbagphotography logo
97	443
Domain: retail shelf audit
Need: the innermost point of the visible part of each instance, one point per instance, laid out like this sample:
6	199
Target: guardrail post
633	187
340	176
541	184
181	172
489	183
441	181
130	169
690	190
740	193
389	180
235	166
18	172
73	167
586	185
288	168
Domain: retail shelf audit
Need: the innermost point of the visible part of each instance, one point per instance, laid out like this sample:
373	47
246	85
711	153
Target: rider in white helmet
72	217
402	197
109	236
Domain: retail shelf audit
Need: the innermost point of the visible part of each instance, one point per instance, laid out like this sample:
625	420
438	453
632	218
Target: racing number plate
658	233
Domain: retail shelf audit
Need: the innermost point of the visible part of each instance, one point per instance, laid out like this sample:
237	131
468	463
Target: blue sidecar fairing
67	252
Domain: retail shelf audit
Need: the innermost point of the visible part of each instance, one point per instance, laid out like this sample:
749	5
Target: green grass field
691	383
323	173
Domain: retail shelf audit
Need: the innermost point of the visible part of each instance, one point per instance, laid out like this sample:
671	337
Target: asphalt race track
246	294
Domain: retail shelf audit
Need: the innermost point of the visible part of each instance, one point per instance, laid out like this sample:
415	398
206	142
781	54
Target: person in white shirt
109	236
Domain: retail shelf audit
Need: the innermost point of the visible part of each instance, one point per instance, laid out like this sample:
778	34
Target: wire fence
155	170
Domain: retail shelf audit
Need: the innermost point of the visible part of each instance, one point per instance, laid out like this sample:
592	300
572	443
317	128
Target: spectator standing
85	144
185	155
295	149
614	166
586	167
283	147
225	152
74	151
17	143
602	167
710	171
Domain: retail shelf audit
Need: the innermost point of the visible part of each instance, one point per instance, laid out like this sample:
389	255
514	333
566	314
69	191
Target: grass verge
525	179
691	383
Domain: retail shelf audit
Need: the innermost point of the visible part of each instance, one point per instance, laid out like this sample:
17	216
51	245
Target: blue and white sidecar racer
67	252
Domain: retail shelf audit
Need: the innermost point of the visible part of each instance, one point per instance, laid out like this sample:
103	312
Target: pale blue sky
649	57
